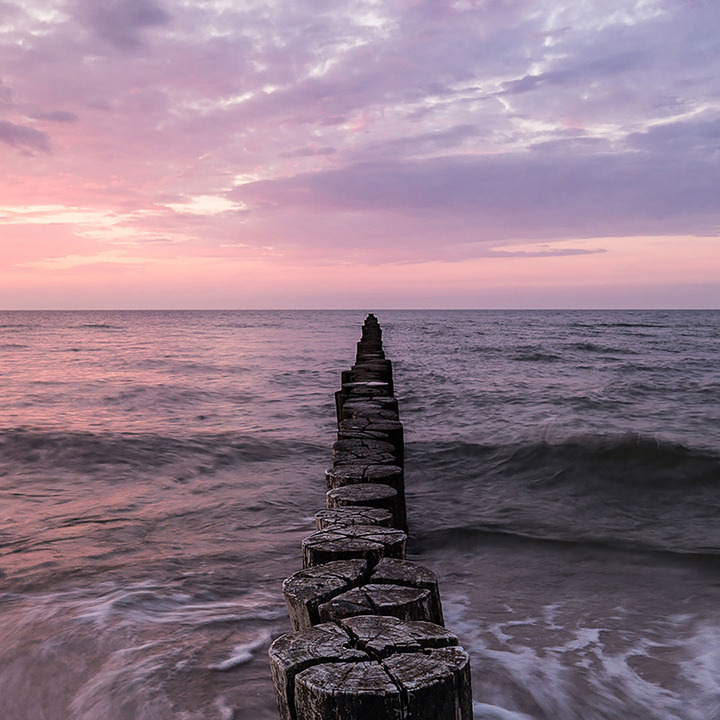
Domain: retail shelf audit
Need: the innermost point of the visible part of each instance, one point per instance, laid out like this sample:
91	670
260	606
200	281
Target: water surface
158	471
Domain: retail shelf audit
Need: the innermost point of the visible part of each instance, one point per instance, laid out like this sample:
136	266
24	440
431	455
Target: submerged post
368	639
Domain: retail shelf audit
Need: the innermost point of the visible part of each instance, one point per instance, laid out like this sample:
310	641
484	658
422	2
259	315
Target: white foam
618	665
482	711
226	712
147	603
241	654
126	682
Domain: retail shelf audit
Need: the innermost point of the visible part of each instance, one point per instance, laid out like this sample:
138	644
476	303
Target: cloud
103	259
575	75
6	93
365	129
23	137
57	116
121	22
697	138
544	252
415	145
309	151
519	195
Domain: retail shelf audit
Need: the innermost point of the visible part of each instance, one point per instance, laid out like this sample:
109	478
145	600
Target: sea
159	470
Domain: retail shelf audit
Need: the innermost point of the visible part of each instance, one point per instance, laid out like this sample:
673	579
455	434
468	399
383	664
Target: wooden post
372	668
291	654
359	515
405	603
403	572
343	588
376	495
379	452
307	589
368	641
359	472
390	429
381	636
369	542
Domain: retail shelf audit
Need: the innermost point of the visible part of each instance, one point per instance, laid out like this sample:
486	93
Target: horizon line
357	309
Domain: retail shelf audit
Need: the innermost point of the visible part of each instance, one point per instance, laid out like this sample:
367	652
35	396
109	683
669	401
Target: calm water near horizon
158	471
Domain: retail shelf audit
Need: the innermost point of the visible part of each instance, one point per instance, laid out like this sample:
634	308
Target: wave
33	449
252	324
631	325
164	394
623	460
621	490
536	356
587	346
483	349
472	537
100	326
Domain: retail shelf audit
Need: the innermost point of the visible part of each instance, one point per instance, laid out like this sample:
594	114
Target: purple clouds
448	130
23	138
561	188
121	22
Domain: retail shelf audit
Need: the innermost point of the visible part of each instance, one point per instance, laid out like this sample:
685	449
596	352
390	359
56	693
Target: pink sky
364	153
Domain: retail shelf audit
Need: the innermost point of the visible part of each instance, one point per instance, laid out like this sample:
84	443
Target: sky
359	154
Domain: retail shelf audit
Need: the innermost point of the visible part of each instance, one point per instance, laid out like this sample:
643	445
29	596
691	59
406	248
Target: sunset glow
532	153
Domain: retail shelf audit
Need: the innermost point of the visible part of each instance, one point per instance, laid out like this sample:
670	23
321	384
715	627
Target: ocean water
158	471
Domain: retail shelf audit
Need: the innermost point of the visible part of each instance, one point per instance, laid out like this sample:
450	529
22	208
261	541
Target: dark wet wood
361	390
385	404
378	452
362	446
295	652
404	572
410	671
357	691
367	542
405	603
362	372
370	494
367	410
435	684
364	355
369	347
391	429
372	362
367	456
382	368
306	590
360	472
382	635
343	516
366	389
353	434
343	588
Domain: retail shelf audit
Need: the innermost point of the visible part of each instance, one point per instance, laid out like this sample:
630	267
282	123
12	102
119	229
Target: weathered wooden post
359	515
369	494
371	668
368	638
370	542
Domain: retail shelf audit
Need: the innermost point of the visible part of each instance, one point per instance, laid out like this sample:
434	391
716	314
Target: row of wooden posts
368	640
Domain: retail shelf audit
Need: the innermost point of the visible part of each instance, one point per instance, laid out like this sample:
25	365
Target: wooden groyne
368	640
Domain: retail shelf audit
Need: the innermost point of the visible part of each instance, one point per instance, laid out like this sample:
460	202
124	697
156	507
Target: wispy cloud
56	116
24	137
121	23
